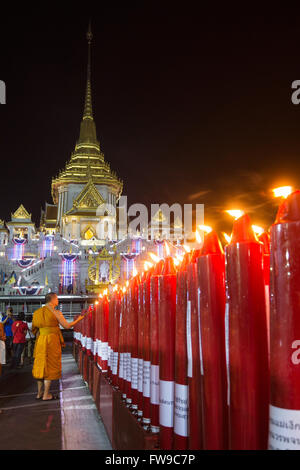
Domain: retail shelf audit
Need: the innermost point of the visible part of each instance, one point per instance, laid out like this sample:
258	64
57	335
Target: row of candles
205	349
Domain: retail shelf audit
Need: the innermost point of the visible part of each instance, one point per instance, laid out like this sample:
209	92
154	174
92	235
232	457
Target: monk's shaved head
49	297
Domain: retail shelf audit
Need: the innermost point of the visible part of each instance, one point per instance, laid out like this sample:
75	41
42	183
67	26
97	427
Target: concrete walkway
70	423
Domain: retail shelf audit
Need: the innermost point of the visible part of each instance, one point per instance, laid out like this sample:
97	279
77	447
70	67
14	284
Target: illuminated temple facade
75	250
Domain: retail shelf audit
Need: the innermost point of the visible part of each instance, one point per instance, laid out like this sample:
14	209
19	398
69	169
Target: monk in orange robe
49	341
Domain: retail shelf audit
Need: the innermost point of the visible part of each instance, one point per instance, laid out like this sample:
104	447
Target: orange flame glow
154	257
187	248
282	191
198	237
258	230
167	248
227	237
205	228
236	213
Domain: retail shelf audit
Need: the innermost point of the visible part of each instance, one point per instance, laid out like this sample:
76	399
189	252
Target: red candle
284	432
115	336
167	315
146	359
105	312
127	348
181	380
195	367
121	371
154	347
110	335
264	238
140	346
89	334
133	333
246	337
211	292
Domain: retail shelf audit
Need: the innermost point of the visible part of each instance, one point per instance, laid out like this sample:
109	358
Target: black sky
190	105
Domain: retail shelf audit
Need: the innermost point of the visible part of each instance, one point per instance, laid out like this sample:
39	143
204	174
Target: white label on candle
104	350
154	385
124	366
134	373
140	373
199	327
181	410
95	348
284	429
89	344
115	363
100	348
84	341
189	340
227	350
146	378
166	403
128	368
108	356
121	366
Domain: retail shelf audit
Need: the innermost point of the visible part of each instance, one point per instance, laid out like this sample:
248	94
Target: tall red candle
264	238
167	315
146	348
105	313
211	291
127	348
121	372
110	336
247	340
133	334
154	347
181	379
140	346
115	337
195	368
284	432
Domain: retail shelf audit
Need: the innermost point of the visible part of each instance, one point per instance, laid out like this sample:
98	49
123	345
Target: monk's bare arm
63	322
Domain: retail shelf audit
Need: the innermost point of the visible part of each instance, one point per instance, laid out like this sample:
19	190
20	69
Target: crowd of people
16	339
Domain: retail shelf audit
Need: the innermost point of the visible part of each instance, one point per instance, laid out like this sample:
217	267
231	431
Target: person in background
2	347
28	349
19	329
7	321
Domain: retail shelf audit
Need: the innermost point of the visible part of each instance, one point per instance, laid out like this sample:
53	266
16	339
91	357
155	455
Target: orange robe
47	351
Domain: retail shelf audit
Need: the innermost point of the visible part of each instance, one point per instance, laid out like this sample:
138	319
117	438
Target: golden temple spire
87	126
88	111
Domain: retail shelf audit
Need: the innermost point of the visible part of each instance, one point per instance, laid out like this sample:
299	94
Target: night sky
191	106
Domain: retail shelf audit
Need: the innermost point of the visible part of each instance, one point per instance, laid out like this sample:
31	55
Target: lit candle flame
282	191
134	272
258	230
205	228
187	248
236	213
154	257
147	265
167	248
124	289
96	303
127	283
198	237
176	261
227	237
